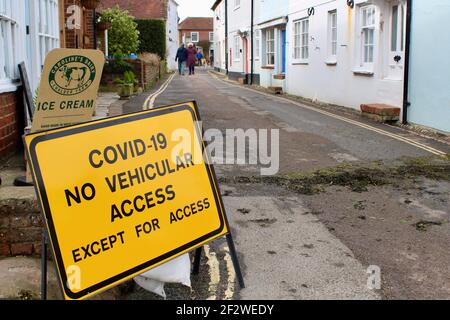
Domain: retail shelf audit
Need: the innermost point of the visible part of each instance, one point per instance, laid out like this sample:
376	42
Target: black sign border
92	125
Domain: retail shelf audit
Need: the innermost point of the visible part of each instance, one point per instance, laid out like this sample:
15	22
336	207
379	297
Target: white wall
339	83
16	46
429	81
172	34
239	19
219	36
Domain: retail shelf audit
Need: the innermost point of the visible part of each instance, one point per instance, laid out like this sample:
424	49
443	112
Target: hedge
152	36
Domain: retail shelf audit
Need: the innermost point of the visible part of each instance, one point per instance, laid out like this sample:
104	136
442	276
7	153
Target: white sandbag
177	270
151	285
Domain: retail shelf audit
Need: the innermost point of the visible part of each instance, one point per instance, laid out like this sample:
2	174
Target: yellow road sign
68	88
124	194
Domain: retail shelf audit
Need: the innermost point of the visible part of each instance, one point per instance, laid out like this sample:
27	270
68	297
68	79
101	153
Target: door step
380	112
276	90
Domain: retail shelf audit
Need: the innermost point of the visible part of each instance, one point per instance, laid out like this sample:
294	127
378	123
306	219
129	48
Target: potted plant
103	23
125	86
90	4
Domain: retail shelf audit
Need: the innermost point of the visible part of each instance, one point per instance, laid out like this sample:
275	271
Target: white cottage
347	52
29	30
220	57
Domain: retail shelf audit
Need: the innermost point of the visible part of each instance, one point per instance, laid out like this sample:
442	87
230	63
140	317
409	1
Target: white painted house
239	40
339	52
271	35
172	35
347	54
29	30
220	58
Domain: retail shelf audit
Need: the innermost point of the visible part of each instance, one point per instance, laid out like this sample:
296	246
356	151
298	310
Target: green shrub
152	37
117	65
123	35
128	78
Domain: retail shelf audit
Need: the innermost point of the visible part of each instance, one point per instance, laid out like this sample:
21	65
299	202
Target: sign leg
235	260
197	258
44	266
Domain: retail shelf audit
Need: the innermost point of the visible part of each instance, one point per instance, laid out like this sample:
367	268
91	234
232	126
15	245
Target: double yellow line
353	122
150	101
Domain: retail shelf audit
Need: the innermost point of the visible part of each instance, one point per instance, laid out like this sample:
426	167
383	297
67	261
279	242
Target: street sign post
125	194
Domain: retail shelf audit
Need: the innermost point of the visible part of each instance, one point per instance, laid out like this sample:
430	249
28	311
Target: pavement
350	194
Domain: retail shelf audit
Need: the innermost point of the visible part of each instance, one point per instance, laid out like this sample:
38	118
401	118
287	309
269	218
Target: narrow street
380	199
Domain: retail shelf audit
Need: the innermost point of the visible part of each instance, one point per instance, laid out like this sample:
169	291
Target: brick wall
10	124
146	74
140	9
83	38
203	35
20	226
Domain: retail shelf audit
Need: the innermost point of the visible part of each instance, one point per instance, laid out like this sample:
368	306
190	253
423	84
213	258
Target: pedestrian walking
181	57
191	58
200	58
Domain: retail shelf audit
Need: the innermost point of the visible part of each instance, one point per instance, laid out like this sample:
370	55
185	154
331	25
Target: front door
396	57
283	51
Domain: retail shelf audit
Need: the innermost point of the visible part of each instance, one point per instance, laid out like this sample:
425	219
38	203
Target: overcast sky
194	8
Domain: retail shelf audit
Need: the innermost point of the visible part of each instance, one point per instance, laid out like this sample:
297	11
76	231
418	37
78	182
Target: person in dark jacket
191	58
181	57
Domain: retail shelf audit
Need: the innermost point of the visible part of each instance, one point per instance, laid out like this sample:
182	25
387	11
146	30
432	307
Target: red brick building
166	10
140	9
74	34
195	30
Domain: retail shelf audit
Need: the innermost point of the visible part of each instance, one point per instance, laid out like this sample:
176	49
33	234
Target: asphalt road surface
324	243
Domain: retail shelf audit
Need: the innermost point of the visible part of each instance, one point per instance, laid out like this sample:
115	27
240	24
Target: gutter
226	36
94	13
253	41
406	103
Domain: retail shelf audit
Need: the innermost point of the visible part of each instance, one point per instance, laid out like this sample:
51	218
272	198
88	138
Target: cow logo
72	75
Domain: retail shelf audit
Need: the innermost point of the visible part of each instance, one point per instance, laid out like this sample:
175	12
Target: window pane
402	29
394	28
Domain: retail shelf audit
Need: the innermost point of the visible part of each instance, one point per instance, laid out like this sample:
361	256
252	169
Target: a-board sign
125	194
68	88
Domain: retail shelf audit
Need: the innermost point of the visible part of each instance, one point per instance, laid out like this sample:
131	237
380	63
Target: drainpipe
406	103
226	36
94	13
251	34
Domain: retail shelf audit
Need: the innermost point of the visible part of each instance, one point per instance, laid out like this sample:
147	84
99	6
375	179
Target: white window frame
11	44
257	50
237	48
301	41
211	37
192	38
269	47
367	30
332	36
16	46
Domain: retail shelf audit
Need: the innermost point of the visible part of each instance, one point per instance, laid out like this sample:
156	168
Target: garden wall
147	74
21	222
